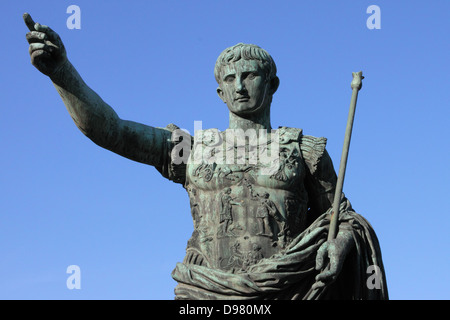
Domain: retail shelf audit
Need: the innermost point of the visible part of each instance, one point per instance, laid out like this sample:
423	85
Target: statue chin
245	109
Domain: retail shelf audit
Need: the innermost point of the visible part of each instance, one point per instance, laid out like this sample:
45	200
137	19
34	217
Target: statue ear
274	83
220	93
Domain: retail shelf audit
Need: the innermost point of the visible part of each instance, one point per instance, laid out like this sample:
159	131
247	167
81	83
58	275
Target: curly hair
246	52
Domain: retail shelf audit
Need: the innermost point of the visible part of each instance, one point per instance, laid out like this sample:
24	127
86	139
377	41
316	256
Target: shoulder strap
287	134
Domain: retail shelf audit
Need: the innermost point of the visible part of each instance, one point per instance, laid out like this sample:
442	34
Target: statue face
244	87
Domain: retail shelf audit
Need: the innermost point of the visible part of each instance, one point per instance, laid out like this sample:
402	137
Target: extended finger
36	36
29	21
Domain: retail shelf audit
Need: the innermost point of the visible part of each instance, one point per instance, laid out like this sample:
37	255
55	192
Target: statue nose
239	85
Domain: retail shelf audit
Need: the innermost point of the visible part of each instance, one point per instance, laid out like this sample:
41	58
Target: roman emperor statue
260	197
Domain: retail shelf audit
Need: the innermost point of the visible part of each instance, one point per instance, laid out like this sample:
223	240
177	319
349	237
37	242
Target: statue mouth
242	99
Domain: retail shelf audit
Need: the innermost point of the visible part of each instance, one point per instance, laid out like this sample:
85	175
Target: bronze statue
260	227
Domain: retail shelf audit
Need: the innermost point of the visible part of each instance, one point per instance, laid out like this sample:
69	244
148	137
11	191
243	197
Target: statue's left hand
333	251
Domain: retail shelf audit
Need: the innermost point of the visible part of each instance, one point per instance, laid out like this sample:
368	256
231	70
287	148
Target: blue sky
65	201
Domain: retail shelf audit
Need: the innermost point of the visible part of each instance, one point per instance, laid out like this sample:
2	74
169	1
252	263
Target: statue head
247	79
245	52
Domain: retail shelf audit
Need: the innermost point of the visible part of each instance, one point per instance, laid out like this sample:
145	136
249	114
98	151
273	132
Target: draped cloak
290	274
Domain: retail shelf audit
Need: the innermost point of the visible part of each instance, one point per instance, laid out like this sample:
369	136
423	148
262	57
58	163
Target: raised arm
95	118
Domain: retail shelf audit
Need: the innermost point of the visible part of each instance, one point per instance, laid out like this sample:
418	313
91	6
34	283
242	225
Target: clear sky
65	201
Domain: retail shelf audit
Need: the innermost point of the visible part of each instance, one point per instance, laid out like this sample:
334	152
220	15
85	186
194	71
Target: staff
356	85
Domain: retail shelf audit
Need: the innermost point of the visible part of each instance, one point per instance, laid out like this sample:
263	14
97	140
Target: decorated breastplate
247	199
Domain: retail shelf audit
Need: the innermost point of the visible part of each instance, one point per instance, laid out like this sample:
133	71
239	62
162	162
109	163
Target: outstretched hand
46	49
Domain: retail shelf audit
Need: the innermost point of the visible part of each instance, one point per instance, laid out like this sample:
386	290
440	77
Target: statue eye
251	76
229	79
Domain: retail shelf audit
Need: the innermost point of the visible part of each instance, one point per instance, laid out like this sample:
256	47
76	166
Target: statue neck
256	122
